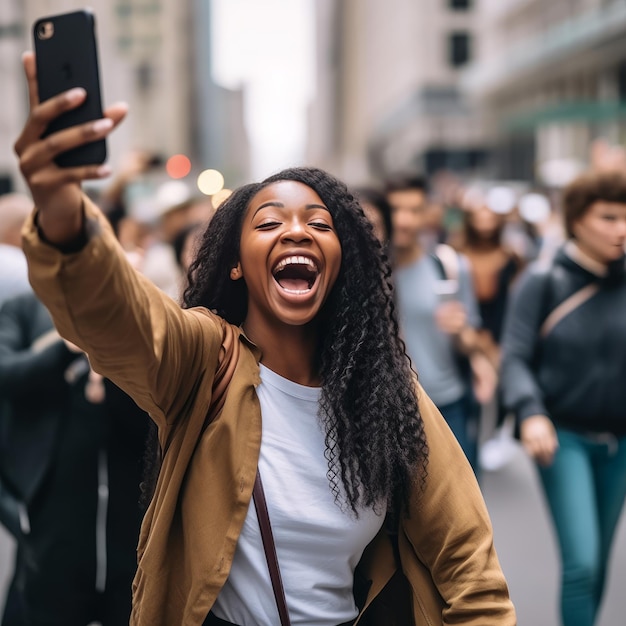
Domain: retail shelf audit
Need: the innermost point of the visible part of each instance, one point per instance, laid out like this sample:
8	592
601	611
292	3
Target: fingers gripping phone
67	57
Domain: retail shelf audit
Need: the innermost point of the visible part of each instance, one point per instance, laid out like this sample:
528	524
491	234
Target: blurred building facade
514	89
155	55
388	87
551	77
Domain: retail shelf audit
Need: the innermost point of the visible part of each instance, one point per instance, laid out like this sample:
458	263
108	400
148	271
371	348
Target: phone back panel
65	59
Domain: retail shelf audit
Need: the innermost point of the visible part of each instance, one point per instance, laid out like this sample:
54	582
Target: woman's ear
236	273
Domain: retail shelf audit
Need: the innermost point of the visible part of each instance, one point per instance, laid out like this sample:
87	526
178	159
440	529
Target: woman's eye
321	225
267	225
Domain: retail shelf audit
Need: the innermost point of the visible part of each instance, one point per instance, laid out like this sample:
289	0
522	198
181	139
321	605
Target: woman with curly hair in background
288	340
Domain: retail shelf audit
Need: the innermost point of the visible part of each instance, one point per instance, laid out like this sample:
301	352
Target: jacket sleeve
449	529
520	391
133	333
21	367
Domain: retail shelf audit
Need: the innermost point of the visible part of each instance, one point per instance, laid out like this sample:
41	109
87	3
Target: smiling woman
285	362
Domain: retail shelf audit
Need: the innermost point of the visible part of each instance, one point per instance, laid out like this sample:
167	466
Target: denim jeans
463	421
585	488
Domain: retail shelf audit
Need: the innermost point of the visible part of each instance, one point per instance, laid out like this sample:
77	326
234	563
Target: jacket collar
573	257
573	252
253	347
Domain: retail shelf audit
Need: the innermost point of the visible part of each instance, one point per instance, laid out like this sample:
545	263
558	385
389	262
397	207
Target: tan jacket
166	358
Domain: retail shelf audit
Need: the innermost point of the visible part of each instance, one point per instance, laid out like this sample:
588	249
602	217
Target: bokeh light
217	199
210	182
178	166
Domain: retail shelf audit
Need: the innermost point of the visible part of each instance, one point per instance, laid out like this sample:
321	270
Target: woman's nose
296	231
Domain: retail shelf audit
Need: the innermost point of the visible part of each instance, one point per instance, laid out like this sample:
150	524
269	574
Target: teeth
296	260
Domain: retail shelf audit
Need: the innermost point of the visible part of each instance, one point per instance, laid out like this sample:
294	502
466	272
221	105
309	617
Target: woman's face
484	221
290	255
601	231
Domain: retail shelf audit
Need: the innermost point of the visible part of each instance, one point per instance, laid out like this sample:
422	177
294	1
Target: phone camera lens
45	30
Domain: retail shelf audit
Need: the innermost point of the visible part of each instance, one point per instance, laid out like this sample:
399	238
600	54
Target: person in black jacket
563	372
71	449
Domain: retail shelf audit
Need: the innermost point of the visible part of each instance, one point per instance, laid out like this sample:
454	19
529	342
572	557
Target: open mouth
296	274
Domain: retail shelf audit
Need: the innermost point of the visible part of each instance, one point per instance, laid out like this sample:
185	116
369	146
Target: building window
459	48
460	5
124	9
145	76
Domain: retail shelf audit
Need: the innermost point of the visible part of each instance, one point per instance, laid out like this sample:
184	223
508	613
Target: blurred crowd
460	249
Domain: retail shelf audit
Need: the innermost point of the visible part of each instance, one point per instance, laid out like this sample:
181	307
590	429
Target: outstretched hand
56	190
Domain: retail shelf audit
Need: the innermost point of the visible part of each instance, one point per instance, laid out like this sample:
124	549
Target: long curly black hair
376	447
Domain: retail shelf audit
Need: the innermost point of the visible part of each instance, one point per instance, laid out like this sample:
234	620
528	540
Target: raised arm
134	334
56	190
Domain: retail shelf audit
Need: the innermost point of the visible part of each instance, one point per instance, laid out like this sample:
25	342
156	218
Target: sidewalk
527	549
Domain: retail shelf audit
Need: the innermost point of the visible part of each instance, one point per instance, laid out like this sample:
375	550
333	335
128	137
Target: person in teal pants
563	371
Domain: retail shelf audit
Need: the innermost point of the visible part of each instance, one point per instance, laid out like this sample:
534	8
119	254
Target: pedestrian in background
289	340
71	448
494	266
438	315
14	209
563	372
378	212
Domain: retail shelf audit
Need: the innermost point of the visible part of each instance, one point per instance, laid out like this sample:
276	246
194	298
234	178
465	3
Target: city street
525	546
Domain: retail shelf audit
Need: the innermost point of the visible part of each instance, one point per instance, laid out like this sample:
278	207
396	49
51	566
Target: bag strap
223	376
566	307
270	550
449	261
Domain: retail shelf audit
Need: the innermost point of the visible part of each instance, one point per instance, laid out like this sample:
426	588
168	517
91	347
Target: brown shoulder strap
270	550
566	307
223	376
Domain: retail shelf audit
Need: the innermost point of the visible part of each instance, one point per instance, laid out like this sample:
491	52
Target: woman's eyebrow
270	203
280	205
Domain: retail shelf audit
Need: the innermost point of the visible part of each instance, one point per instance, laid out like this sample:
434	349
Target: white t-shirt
318	545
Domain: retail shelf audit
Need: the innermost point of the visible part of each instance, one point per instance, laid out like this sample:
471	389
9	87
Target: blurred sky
268	47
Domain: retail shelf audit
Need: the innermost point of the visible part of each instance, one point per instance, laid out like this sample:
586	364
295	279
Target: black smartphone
66	57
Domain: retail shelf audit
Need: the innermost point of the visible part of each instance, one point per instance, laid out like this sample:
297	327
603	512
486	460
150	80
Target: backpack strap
448	260
569	305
